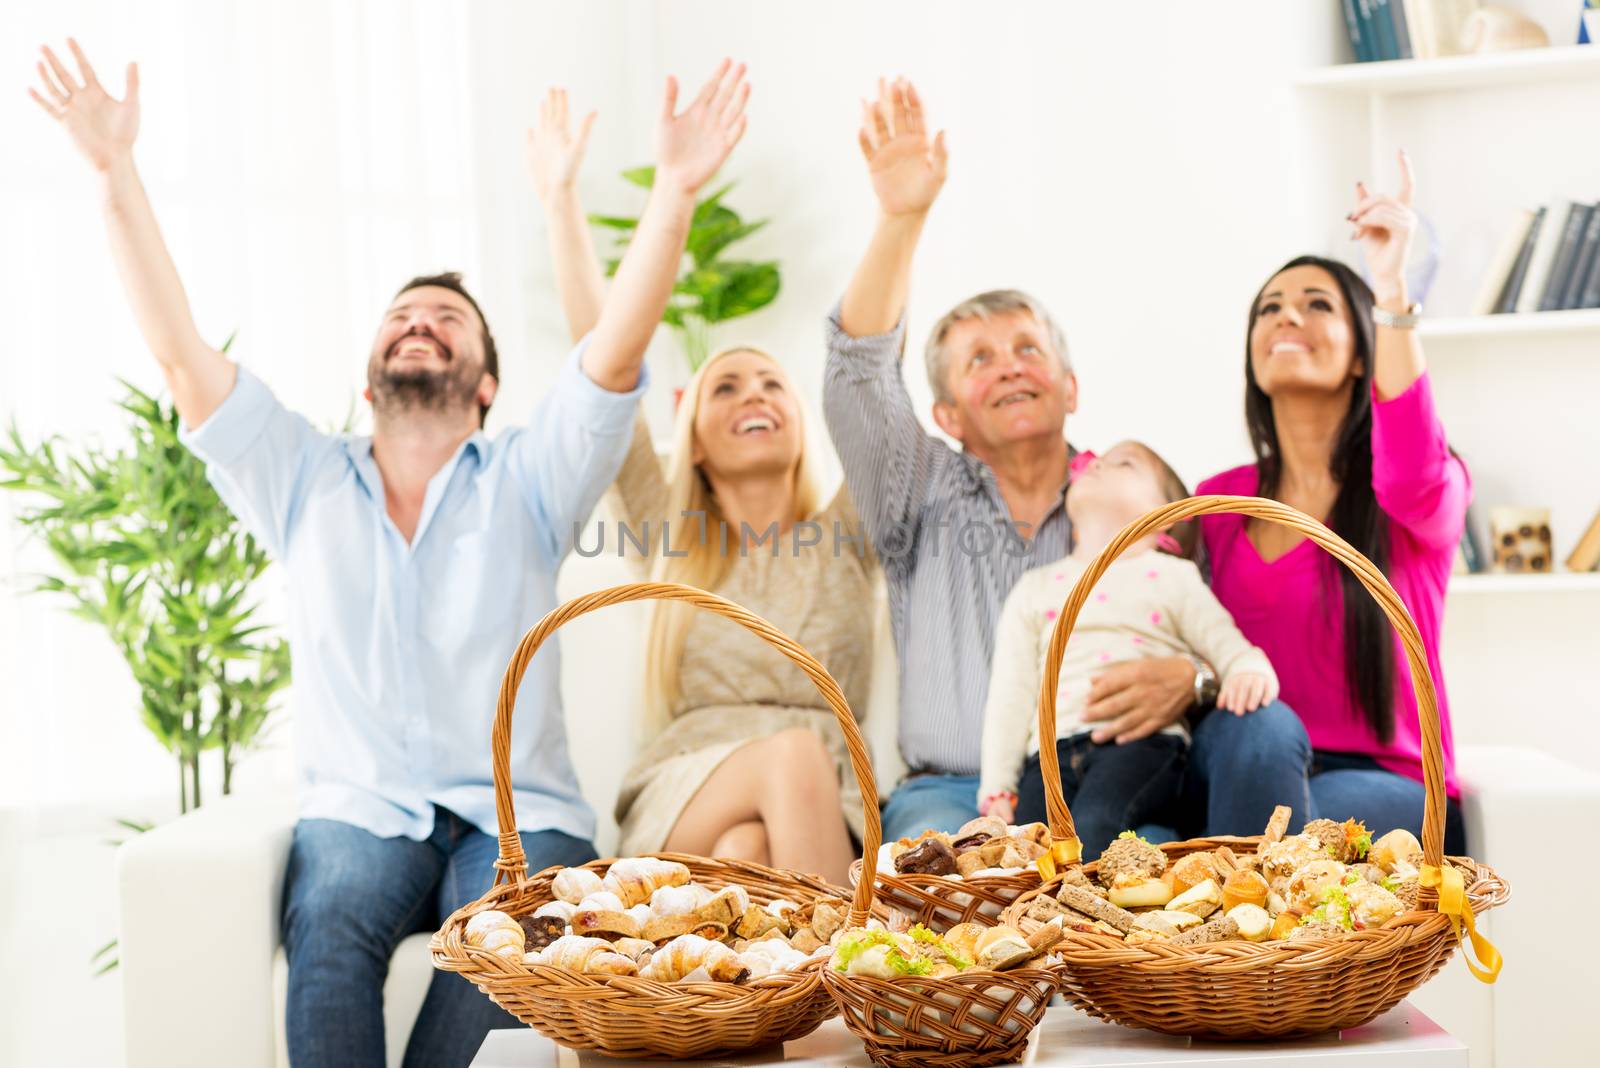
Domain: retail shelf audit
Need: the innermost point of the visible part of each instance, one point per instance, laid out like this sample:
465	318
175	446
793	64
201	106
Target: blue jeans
940	802
1245	765
350	897
1110	788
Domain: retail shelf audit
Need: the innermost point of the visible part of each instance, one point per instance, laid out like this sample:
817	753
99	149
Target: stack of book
1549	260
1405	29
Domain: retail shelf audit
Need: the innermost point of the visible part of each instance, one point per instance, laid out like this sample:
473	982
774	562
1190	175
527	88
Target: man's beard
399	389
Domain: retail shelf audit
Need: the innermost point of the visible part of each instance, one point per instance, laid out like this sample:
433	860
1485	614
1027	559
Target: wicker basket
624	1016
1239	989
939	902
964	1021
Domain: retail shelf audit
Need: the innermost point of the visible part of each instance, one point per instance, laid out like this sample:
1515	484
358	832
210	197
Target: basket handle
1341	550
512	863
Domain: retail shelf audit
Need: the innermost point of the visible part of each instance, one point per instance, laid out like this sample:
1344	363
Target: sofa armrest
1530	815
200	900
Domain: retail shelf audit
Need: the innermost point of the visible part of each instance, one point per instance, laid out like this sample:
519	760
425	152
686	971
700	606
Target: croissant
497	932
573	951
635	879
726	906
572	885
687	953
678	900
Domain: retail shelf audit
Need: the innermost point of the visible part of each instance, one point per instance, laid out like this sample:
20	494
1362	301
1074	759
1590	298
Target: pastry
1393	850
1254	923
1201	900
1371	905
1138	892
539	931
931	857
688	954
1244	888
1192	870
986	826
573	952
601	900
497	932
1130	854
1306	886
605	923
572	885
1002	947
757	922
1282	859
635	949
561	910
726	906
679	900
636	879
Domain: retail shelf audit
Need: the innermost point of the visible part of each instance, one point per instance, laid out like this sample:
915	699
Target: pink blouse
1292	607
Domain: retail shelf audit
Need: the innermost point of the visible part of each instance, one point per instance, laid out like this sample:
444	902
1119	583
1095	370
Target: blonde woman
742	758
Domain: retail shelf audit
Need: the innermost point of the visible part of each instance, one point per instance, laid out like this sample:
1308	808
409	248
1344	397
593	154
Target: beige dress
734	687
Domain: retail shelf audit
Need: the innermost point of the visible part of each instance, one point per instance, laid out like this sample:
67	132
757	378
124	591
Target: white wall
1140	169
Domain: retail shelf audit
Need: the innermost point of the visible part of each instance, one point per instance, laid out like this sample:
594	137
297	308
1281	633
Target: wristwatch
1405	320
1206	686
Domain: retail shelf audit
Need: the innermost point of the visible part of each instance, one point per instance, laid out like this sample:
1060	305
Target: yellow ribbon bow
1062	851
1453	903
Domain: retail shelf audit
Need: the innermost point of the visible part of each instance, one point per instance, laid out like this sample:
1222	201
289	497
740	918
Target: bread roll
1244	888
1190	871
1254	923
1390	851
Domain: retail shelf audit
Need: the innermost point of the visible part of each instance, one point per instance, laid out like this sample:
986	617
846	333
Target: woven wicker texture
1240	989
939	903
626	1016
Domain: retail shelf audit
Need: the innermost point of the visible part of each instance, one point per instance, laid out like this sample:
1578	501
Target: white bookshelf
1540	65
1555	582
1532	324
1489	135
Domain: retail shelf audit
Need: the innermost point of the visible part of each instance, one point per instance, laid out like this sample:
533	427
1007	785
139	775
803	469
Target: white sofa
203	972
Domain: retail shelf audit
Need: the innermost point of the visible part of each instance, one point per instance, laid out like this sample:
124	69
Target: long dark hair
1369	664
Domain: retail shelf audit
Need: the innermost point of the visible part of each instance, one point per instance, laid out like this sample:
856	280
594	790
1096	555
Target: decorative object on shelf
1589	23
709	289
1500	29
1521	539
1585	555
1433	27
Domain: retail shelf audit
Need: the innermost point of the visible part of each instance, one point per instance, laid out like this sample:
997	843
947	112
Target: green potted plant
147	550
710	289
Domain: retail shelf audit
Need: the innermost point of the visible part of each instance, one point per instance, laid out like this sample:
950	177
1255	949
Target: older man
416	558
956	528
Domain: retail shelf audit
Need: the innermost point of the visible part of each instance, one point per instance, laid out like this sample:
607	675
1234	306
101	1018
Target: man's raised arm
103	128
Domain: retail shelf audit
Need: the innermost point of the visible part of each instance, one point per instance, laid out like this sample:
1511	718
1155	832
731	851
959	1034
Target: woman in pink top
1342	421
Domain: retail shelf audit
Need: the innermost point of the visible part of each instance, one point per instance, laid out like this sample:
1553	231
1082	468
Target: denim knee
1272	736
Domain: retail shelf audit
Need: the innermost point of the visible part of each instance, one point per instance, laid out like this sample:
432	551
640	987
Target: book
1566	252
1519	270
1352	27
1369	31
1417	29
1591	287
1583	263
1500	264
1402	33
1544	256
1586	554
1384	43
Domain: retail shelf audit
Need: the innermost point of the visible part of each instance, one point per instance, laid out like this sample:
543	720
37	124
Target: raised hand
102	126
554	152
907	171
691	146
1384	226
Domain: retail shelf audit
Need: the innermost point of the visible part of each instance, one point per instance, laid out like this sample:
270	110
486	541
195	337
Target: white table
1403	1036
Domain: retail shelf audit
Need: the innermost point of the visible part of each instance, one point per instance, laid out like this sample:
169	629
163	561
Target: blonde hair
707	555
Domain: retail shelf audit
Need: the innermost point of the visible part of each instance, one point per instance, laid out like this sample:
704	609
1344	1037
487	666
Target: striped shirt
945	537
